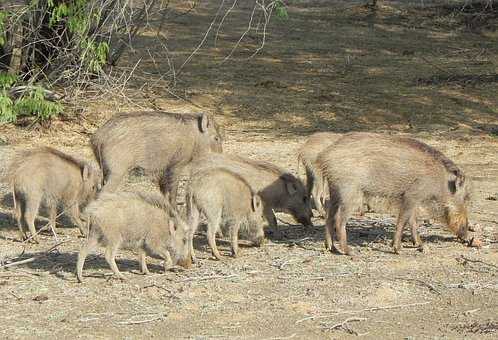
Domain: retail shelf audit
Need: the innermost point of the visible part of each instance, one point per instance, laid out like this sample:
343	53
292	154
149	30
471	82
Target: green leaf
281	10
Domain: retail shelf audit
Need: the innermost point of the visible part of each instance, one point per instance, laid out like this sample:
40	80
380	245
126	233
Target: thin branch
34	258
209	277
370	309
203	39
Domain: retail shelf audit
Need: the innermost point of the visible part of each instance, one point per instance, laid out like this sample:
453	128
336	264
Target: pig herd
344	172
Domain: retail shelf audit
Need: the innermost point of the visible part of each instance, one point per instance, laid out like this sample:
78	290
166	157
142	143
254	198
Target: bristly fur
21	157
161	143
400	170
269	181
436	154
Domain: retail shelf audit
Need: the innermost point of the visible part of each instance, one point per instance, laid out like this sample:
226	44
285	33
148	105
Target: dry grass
331	66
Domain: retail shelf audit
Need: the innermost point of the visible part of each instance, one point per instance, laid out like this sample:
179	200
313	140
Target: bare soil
422	70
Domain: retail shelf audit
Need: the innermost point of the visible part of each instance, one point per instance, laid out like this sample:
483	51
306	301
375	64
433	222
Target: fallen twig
34	258
158	287
137	322
370	309
426	284
14	295
210	277
282	337
478	261
343	325
472	311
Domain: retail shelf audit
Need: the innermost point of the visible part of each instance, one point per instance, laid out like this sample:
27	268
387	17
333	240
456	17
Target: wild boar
279	189
404	171
223	197
48	177
139	221
307	155
161	143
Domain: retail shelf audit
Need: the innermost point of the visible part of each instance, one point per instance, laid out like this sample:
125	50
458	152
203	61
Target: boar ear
204	122
452	186
86	173
456	181
291	188
256	203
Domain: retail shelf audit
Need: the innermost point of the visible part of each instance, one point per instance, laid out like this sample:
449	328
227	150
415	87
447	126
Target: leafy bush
31	103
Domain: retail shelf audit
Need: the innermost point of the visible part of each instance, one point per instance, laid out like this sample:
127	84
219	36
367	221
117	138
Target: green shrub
32	103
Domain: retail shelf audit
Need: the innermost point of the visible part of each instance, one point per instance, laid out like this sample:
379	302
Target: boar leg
52	216
235	239
19	219
143	263
341	218
87	247
310	180
318	195
31	210
272	221
405	215
193	222
110	257
168	262
213	226
417	241
329	231
74	213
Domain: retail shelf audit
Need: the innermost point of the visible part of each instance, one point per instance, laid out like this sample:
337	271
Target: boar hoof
396	249
328	246
347	251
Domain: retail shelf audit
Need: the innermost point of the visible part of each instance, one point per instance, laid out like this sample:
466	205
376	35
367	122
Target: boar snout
463	232
458	222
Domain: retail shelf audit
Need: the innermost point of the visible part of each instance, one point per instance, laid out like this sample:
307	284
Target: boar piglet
223	197
406	172
140	221
279	190
48	177
307	155
161	143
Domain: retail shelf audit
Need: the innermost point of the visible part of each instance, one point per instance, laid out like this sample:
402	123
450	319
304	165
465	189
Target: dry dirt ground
422	70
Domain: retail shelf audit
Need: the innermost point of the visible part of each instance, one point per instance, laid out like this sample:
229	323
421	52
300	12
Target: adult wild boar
401	170
48	177
279	189
307	155
159	142
223	197
139	221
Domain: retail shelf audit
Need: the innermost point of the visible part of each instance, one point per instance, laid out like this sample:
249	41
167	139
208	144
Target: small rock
40	298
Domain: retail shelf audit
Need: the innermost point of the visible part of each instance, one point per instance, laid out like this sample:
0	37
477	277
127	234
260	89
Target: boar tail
98	155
